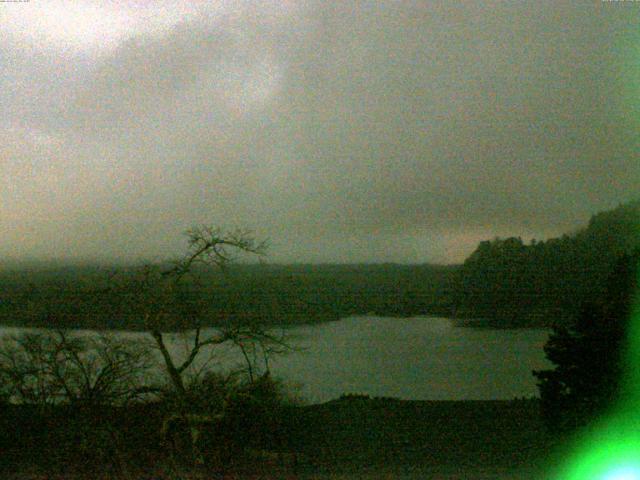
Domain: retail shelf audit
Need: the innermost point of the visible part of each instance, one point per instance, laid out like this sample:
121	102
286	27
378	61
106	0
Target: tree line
276	294
543	283
507	282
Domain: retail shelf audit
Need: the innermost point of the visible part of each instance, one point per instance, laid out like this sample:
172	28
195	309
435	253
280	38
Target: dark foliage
84	297
116	441
355	431
64	440
545	283
589	356
339	436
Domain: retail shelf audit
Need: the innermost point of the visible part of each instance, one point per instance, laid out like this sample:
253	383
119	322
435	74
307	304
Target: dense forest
90	297
511	283
506	282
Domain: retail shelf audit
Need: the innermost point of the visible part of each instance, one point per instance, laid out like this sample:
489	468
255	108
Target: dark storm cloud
398	131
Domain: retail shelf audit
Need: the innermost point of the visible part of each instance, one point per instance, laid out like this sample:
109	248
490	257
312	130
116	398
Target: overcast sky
340	130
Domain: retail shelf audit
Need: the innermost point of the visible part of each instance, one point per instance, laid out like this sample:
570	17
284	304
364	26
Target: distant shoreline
463	322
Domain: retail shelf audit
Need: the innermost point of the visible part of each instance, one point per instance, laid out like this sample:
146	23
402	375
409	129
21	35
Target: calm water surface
409	358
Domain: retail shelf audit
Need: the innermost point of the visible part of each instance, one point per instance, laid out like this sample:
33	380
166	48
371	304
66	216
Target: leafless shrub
55	367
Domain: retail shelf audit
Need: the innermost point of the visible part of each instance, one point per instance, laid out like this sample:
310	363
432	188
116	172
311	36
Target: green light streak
610	449
613	447
631	386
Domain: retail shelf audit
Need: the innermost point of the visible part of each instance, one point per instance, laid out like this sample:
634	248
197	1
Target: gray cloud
361	131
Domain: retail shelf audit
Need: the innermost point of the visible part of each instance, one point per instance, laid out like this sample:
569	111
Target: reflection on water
409	358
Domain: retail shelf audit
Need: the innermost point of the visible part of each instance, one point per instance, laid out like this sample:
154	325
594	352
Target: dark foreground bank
353	436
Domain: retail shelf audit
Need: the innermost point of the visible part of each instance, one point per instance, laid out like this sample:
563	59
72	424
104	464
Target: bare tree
162	297
91	373
159	291
53	367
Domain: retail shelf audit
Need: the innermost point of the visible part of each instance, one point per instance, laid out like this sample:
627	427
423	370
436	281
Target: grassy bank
339	439
356	432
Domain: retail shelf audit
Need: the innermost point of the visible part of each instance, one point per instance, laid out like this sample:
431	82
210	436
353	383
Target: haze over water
408	358
415	358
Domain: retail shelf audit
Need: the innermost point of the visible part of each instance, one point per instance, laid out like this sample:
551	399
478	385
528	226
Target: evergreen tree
589	355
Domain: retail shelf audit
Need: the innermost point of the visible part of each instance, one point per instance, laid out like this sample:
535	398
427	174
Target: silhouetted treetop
589	356
545	282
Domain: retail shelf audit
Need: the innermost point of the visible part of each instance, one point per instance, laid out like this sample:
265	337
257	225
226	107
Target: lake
410	358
